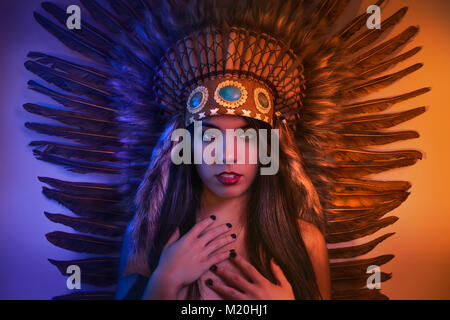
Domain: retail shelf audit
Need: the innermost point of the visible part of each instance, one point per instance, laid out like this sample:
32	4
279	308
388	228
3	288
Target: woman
237	233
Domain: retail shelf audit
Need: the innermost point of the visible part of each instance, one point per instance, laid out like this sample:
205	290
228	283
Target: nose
230	153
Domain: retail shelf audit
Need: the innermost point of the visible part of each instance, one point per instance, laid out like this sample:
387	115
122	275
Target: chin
228	191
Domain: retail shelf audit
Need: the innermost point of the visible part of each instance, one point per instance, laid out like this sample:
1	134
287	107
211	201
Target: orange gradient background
421	243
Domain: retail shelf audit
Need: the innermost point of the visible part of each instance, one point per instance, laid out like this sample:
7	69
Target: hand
184	260
255	287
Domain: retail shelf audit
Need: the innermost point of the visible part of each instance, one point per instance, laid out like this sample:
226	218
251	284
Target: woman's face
228	180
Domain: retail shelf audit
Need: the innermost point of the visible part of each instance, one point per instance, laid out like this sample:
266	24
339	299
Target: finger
278	273
247	268
218	243
225	291
215	258
174	237
213	233
233	279
199	227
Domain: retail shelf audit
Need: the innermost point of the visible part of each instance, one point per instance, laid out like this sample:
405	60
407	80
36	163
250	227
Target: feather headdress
148	60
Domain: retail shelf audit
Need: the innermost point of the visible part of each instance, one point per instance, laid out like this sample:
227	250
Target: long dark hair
169	197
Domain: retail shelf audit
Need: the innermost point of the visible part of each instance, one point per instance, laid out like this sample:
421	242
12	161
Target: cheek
204	171
249	171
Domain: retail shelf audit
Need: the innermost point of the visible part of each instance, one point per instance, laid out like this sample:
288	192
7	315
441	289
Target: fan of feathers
111	121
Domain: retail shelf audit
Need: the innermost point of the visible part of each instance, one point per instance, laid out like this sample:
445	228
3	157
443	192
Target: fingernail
229	225
213	268
232	253
233	235
209	282
213	217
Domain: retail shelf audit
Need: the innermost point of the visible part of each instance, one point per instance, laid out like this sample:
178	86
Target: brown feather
81	136
353	233
108	264
354	269
356	250
88	225
378	83
339	226
97	190
330	10
384	50
370	36
84	122
369	138
382	121
357	266
334	11
360	294
366	156
88	206
72	70
355	25
353	163
347	185
81	243
345	217
67	83
75	165
379	105
96	271
352	283
366	198
358	170
386	65
341	213
94	154
85	106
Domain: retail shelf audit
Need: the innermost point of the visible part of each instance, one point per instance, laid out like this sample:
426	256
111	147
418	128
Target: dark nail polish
213	268
229	225
233	235
209	282
213	217
232	253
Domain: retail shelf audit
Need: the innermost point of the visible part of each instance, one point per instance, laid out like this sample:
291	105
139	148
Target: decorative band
230	96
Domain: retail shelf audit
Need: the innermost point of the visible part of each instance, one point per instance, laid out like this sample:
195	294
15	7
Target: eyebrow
210	125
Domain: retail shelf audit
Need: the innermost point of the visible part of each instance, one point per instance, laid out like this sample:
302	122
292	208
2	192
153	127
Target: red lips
228	177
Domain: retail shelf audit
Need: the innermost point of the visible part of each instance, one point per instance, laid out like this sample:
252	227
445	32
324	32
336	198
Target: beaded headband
231	96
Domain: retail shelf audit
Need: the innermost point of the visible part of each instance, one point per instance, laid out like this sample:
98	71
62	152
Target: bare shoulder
318	253
311	235
314	240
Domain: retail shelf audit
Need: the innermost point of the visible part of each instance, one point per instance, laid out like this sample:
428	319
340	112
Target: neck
232	210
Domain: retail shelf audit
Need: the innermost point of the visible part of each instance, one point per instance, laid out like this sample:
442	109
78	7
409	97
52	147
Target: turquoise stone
196	100
262	99
230	93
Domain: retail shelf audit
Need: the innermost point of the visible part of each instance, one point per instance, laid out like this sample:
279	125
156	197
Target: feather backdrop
113	108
